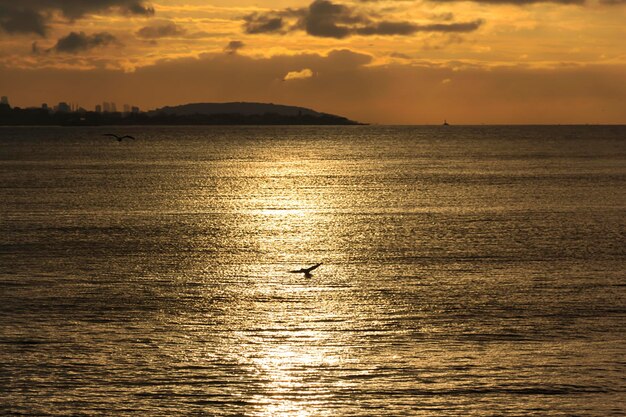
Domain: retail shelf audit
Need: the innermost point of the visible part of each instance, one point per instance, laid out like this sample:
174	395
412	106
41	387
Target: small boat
445	123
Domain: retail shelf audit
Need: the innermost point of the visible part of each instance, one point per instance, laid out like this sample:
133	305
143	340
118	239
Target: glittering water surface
466	271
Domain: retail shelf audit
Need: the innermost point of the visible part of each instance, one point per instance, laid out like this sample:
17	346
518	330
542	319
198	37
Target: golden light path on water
293	364
306	345
287	333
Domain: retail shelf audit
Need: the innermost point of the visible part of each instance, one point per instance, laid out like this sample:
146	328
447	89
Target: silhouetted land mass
214	114
243	108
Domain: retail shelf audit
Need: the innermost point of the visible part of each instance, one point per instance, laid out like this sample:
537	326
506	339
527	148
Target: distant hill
245	113
241	108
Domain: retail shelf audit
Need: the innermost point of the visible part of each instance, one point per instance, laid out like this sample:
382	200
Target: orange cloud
298	75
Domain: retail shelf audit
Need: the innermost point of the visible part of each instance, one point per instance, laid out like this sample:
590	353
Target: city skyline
385	61
65	106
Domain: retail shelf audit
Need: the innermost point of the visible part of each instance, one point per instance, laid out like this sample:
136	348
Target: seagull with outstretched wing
119	138
306	271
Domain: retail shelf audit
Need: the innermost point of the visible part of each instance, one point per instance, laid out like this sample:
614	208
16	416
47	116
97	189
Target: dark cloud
33	16
458	27
407	28
80	42
323	18
139	9
327	19
233	47
21	21
162	29
263	23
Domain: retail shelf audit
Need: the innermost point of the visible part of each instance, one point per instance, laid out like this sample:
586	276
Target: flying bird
119	138
306	271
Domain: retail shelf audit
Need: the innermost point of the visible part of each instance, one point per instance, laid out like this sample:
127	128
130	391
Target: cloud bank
161	29
347	83
34	16
326	19
80	42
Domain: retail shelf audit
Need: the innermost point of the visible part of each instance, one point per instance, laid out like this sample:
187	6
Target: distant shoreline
249	114
98	119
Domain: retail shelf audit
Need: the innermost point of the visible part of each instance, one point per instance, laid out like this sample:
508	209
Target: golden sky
377	61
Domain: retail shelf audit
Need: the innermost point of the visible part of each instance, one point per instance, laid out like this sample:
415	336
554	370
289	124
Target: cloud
18	21
348	59
298	75
161	29
80	42
400	55
446	17
34	16
256	23
205	35
407	28
326	19
233	47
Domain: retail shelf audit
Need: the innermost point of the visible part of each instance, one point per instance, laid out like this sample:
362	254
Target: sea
465	271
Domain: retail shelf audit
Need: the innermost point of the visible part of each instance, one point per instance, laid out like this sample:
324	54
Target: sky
375	61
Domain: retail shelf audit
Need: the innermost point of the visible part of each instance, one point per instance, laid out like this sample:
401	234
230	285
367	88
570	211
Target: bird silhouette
119	138
306	271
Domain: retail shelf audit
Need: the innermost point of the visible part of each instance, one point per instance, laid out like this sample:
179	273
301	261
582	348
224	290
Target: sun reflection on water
287	368
283	212
289	345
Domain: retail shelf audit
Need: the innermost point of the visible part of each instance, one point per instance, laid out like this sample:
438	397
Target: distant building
106	107
45	107
113	108
4	100
63	107
126	108
98	108
134	110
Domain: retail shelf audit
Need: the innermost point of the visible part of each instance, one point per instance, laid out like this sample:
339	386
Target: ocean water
466	271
